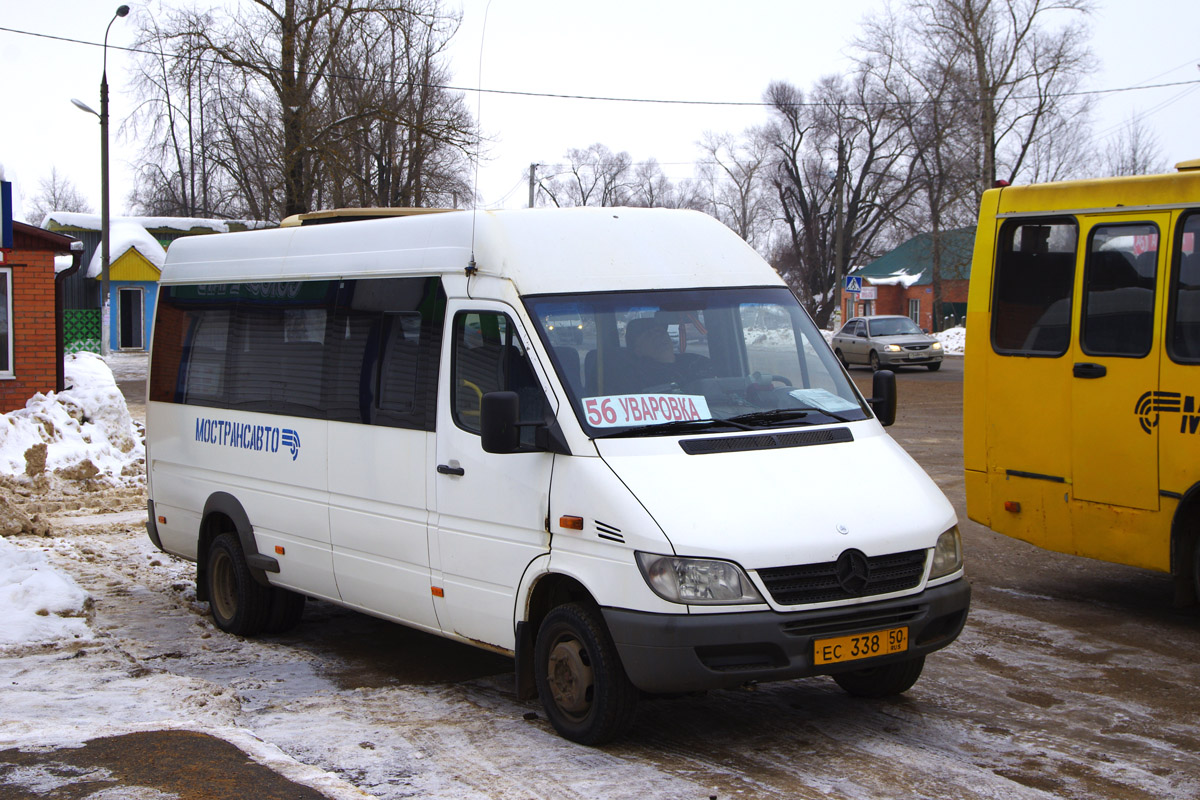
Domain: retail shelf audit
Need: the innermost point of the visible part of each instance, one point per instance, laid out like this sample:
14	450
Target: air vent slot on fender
765	441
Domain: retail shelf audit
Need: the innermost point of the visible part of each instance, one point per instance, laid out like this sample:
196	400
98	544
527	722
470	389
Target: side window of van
1183	338
1031	296
489	357
360	351
1119	280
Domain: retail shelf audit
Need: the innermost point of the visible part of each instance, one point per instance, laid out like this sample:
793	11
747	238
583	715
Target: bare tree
593	176
734	174
927	90
842	172
279	106
651	188
1133	150
1020	72
56	193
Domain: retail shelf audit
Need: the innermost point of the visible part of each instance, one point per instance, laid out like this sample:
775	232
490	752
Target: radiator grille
819	583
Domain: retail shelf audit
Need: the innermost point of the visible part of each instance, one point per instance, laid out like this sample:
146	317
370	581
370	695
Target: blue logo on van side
291	440
245	436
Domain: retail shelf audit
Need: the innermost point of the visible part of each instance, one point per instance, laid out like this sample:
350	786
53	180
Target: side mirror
499	413
883	400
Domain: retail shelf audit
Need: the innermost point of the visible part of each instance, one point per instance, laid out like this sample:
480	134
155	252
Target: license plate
860	645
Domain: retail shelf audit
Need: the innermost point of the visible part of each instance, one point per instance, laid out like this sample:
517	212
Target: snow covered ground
101	634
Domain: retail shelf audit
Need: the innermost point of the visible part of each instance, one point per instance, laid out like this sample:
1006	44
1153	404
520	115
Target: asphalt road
1073	679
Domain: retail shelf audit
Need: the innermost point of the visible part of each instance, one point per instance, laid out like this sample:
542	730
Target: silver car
886	342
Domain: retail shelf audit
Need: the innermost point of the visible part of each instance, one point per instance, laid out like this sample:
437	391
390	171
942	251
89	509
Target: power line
606	98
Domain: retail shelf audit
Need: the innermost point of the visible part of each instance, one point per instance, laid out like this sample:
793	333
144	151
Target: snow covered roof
91	222
911	263
125	236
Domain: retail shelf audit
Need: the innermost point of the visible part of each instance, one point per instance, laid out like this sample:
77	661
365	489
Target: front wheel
889	679
581	682
875	361
934	367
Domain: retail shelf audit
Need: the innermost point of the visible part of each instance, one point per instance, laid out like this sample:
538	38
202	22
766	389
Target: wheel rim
570	677
224	586
874	360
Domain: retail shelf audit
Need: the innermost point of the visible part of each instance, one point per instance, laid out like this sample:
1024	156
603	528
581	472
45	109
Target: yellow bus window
1118	291
1184	339
1031	312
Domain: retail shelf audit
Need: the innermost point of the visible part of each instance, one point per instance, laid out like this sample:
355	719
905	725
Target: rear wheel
889	679
840	357
583	686
240	605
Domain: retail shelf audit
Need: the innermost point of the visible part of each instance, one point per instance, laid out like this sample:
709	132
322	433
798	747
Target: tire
841	358
239	604
286	609
583	687
875	361
934	367
1196	570
885	681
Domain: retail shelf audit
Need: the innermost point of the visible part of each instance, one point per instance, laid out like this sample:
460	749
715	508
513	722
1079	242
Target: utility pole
532	182
838	269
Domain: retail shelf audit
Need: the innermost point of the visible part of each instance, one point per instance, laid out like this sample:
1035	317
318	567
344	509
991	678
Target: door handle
1089	370
445	470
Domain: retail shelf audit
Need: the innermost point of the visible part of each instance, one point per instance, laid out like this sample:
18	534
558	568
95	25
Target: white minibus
679	490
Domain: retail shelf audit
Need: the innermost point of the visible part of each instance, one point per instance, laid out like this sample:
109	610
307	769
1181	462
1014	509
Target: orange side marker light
571	523
1012	506
437	591
279	549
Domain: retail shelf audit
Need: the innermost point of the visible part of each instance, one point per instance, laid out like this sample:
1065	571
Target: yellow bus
1081	421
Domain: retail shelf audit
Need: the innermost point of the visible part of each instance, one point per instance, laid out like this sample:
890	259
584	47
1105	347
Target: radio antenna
471	266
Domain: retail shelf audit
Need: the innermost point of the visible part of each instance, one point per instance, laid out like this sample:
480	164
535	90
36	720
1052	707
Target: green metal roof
914	258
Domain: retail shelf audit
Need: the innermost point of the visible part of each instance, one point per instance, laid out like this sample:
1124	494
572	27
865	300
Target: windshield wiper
785	415
677	426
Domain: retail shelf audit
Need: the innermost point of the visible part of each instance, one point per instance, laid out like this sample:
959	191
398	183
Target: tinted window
1183	340
1118	290
1031	295
361	351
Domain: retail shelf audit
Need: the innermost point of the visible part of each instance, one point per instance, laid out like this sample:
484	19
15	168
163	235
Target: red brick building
31	358
901	282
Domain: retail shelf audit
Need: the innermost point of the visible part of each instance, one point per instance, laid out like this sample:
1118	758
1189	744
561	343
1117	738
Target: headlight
935	346
892	348
947	554
697	581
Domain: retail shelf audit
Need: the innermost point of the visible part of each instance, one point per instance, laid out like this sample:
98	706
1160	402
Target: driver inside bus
656	363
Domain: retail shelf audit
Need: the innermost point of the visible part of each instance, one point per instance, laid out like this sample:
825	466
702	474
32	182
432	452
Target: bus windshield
643	363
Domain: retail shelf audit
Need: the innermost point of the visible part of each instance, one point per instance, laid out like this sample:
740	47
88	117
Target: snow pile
38	603
84	433
954	341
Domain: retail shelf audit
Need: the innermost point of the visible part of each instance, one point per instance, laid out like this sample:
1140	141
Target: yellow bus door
1179	398
1115	361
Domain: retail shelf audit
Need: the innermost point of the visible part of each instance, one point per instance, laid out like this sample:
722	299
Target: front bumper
907	358
666	653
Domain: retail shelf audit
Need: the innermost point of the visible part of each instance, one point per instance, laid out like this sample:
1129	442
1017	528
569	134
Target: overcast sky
647	49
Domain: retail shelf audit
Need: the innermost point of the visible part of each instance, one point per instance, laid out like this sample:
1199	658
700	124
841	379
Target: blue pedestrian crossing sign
853	284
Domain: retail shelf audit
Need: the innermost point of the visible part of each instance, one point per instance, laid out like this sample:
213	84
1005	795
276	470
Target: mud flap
523	662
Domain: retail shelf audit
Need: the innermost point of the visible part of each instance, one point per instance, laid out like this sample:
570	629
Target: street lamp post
105	315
